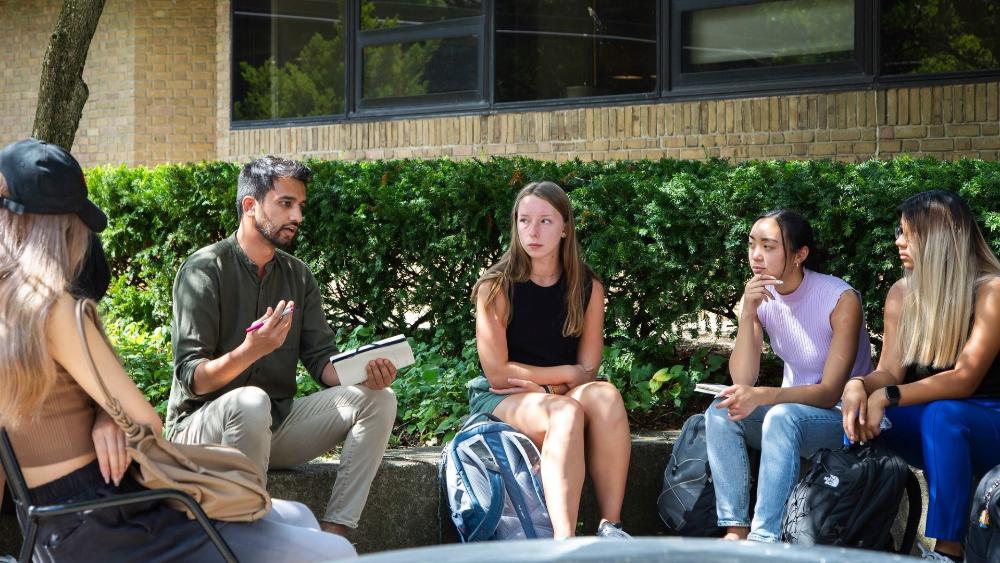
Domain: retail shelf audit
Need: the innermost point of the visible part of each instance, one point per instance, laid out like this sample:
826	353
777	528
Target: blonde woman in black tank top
539	333
938	376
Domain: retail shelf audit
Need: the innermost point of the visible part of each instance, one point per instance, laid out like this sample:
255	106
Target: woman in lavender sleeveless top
814	323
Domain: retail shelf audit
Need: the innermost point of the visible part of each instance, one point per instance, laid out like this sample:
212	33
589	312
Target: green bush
397	245
146	357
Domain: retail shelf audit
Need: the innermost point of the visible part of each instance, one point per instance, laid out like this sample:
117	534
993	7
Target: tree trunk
62	91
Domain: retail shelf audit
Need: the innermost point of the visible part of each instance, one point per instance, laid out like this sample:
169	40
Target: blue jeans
783	433
953	441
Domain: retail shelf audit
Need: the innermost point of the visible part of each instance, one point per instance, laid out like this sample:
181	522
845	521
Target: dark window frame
671	85
606	99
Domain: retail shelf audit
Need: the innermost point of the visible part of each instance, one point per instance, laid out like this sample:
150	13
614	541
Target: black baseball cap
45	179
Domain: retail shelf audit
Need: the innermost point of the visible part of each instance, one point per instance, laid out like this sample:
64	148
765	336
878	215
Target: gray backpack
687	501
491	476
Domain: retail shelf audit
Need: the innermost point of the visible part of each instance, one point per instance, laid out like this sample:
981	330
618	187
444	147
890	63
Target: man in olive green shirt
236	386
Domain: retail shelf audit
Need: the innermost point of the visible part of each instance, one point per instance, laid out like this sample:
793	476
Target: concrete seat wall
406	508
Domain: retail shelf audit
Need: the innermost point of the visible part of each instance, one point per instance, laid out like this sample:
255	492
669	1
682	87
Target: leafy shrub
397	245
146	357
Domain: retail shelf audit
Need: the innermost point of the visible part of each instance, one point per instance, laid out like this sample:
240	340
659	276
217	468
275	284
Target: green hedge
397	245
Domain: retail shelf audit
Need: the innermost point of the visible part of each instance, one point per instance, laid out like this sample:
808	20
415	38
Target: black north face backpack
982	542
850	497
687	502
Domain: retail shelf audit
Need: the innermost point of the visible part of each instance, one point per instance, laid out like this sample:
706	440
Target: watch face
892	394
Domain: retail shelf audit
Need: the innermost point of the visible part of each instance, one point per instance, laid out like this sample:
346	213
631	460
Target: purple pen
258	324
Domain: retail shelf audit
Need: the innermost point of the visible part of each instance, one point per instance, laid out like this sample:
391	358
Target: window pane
288	58
380	14
785	32
548	49
445	68
942	36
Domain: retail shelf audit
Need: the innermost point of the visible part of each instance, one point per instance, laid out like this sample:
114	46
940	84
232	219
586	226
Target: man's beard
267	230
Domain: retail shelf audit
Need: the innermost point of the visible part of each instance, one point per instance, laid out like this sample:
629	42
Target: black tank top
988	387
534	335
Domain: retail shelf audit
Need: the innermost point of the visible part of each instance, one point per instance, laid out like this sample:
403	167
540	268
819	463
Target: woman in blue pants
938	378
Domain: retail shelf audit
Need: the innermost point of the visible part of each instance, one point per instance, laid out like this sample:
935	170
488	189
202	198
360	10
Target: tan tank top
61	430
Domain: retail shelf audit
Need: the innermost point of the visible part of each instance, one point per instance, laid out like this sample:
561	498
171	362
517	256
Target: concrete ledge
406	508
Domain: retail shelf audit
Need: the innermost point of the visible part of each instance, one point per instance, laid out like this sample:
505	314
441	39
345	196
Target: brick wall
150	72
175	81
941	121
159	77
107	125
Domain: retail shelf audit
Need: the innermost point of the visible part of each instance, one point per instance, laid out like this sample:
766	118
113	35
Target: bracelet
860	378
548	388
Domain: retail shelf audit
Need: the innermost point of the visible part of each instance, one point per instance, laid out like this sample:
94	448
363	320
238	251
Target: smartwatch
892	395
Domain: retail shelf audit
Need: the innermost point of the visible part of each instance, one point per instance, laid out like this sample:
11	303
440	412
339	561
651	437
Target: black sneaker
611	530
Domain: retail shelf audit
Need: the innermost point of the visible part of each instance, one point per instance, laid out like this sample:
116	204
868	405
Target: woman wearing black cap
48	397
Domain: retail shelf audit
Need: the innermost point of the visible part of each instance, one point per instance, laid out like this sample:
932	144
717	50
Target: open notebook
351	364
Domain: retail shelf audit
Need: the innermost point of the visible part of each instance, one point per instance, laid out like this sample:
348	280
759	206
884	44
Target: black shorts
145	531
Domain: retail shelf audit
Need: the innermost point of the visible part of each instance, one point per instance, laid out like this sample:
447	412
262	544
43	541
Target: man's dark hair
258	176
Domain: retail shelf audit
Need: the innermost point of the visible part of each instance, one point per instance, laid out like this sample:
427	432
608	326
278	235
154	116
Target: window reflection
549	49
382	14
941	36
398	72
288	58
420	51
784	32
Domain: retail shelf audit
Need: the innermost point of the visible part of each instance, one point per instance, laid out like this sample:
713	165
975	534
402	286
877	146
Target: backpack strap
488	526
913	511
510	484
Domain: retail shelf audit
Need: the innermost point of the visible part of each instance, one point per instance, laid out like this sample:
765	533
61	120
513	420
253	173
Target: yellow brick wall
150	71
106	132
107	127
158	71
31	22
222	66
175	81
942	121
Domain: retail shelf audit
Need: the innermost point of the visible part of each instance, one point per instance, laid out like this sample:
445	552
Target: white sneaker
612	531
931	555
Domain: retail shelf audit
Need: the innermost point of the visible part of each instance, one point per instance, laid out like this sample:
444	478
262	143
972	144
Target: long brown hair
515	264
951	259
39	257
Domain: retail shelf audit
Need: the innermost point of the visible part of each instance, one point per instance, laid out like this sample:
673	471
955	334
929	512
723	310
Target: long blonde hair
39	257
950	261
515	264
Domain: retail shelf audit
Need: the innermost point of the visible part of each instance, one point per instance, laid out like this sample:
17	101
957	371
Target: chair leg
215	537
30	534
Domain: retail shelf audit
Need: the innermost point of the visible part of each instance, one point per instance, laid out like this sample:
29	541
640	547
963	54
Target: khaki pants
356	416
